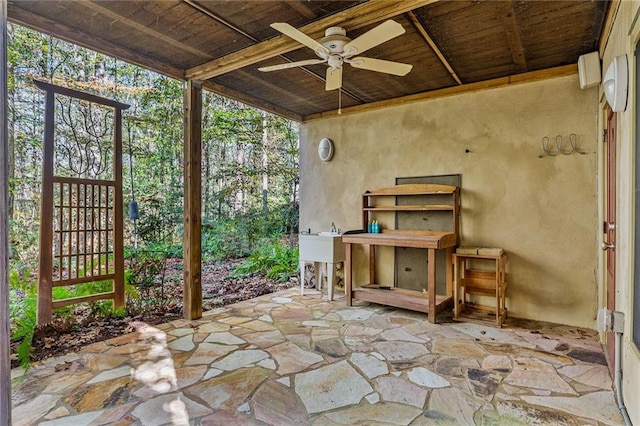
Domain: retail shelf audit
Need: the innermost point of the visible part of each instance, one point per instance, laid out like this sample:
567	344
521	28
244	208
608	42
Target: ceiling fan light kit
335	49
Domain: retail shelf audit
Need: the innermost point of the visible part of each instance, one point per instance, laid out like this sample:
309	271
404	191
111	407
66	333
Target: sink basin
328	234
322	247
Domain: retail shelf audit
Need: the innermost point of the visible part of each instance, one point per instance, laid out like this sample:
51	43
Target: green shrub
146	277
23	303
274	260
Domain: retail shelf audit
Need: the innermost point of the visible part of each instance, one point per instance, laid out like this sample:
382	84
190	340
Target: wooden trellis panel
81	236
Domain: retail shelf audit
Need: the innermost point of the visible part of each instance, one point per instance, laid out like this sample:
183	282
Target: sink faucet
333	228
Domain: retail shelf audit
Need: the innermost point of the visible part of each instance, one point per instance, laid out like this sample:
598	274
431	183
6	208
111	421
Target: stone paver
287	359
423	377
330	387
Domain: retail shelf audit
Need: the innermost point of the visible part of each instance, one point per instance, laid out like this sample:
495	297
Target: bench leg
302	265
330	279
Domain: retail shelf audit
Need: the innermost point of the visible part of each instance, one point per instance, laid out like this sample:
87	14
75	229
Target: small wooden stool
489	282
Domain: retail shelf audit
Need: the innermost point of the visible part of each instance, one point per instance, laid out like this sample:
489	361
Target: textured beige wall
542	211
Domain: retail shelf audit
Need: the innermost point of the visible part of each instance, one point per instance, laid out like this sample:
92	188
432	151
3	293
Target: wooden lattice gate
81	235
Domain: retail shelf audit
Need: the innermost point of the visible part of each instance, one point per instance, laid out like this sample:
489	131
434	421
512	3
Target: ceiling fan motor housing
334	39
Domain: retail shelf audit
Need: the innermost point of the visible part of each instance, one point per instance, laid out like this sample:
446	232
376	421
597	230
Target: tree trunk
239	207
265	160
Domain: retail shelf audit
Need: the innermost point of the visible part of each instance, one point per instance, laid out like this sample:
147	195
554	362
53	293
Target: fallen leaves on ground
69	334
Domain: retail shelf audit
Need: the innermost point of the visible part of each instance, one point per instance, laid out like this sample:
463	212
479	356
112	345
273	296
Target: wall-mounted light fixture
615	84
325	149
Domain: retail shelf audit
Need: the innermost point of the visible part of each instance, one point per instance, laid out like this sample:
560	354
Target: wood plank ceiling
450	43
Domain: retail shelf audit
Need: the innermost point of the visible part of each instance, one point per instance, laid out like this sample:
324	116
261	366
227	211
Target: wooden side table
489	282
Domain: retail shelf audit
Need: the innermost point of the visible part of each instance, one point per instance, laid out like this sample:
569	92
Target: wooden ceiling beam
512	32
359	16
72	35
425	35
527	77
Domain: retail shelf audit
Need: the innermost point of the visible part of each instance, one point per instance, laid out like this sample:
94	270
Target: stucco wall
542	211
624	37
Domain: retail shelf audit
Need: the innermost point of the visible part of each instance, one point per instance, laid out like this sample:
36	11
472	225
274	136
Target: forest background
249	175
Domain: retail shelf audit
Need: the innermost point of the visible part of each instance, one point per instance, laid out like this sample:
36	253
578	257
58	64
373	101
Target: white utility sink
328	234
324	247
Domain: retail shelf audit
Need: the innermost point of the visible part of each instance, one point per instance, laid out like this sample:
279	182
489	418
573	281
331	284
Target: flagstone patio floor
287	359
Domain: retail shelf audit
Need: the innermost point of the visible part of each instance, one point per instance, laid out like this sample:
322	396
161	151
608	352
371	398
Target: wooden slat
65	91
5	361
91	298
83	280
250	100
356	17
99	227
192	295
348	274
218	18
77	231
83	181
61	231
475	278
93	229
302	98
412	189
402	298
431	287
45	295
432	207
302	9
118	213
68	214
528	77
142	28
417	239
512	33
425	35
90	41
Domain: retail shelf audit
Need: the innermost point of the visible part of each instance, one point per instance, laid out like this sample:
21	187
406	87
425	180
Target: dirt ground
69	333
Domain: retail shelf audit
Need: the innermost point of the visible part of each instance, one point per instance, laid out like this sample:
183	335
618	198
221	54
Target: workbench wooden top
413	239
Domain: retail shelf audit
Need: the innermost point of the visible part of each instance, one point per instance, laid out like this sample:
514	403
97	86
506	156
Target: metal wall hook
549	150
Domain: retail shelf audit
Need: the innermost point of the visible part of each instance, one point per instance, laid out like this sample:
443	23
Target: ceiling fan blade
384	32
334	78
300	37
292	65
378	65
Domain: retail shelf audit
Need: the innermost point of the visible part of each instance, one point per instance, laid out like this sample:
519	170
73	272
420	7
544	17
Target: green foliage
145	276
223	239
273	259
23	313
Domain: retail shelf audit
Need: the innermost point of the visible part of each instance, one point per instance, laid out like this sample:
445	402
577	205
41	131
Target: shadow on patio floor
289	359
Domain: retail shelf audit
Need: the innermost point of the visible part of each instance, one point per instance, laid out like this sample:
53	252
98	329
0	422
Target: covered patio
287	359
490	81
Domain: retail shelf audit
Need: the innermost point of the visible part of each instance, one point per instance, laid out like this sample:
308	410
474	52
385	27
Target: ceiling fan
335	49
